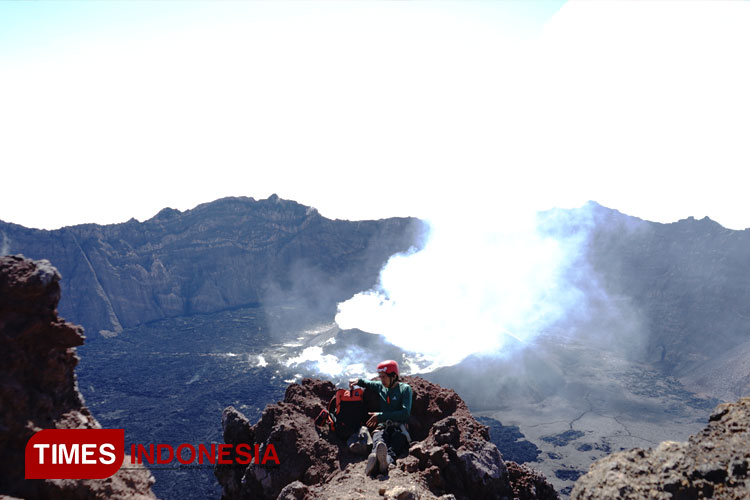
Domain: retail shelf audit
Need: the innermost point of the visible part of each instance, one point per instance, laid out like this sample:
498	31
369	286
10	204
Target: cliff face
688	279
712	464
219	255
685	281
38	386
450	457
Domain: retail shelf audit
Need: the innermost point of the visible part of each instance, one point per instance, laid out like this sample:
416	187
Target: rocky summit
38	386
450	457
711	464
221	255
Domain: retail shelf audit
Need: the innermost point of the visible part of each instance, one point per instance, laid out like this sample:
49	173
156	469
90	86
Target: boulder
711	464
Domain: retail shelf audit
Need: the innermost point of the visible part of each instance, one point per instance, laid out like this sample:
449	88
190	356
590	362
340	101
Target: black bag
345	414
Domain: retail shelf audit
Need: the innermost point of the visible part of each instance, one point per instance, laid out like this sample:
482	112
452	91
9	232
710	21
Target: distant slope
689	281
726	376
219	255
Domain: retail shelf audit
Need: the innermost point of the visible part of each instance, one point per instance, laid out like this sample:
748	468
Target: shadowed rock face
38	386
220	255
687	280
451	455
712	464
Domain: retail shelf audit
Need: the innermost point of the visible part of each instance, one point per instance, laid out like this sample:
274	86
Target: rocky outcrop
38	386
712	464
450	455
229	253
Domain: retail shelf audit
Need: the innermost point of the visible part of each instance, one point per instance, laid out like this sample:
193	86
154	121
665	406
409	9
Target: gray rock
402	493
712	464
484	467
293	491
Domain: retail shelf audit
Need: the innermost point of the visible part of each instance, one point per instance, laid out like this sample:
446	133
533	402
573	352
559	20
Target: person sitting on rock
390	438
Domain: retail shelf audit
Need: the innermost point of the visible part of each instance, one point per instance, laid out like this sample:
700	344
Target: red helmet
388	366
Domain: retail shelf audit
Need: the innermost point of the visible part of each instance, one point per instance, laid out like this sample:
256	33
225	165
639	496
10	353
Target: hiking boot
381	452
371	461
360	443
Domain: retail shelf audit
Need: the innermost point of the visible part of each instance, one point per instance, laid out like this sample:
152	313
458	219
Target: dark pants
394	439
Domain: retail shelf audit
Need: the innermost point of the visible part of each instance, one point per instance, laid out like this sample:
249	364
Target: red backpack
345	413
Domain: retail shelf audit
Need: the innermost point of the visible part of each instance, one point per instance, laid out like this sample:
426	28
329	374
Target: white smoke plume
5	247
327	364
486	275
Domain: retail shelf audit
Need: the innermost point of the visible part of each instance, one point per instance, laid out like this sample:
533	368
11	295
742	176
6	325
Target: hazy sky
113	110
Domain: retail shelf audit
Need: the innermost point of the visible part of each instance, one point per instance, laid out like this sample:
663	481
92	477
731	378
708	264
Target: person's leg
360	442
378	435
396	442
379	453
380	449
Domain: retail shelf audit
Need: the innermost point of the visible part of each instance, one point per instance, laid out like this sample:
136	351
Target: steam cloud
491	278
483	278
5	247
327	364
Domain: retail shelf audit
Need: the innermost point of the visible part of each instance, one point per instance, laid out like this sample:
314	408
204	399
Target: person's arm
403	413
368	384
372	420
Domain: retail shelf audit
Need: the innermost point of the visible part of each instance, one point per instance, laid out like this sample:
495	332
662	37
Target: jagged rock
528	483
711	464
237	428
228	253
293	491
402	493
451	454
38	386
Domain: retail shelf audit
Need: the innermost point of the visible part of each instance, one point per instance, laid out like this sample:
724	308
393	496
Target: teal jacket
395	403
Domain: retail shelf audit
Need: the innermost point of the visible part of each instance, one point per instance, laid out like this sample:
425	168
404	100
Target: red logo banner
75	453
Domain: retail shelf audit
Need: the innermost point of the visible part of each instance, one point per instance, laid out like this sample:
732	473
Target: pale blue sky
374	109
44	24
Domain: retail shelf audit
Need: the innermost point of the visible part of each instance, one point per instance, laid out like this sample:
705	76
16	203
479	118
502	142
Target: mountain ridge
219	255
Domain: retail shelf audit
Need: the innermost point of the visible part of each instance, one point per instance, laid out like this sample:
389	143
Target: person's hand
372	422
352	383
